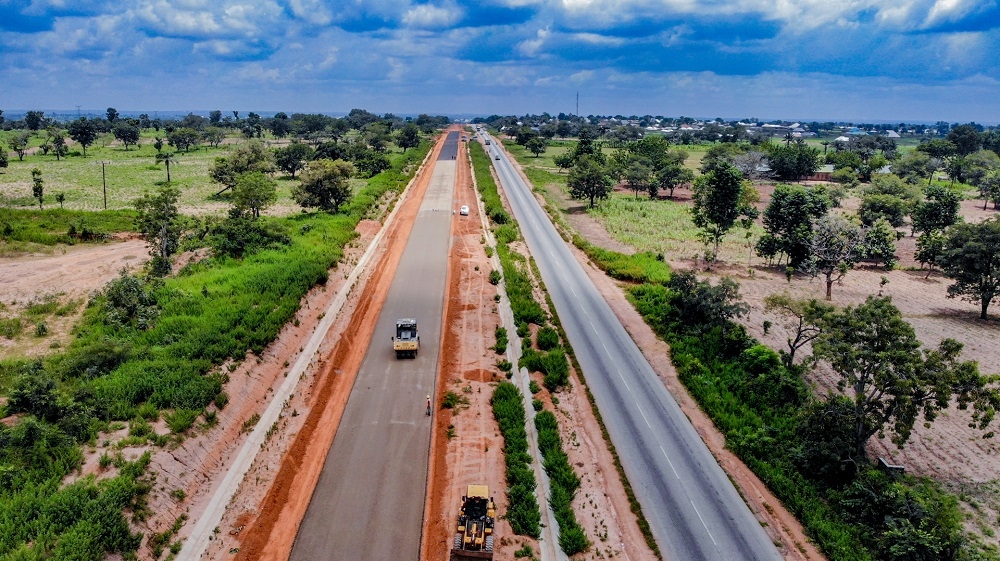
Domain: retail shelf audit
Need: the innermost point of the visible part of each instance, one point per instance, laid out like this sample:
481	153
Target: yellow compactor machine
474	538
406	343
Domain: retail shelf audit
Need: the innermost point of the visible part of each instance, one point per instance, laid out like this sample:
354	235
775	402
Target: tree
977	165
536	145
638	177
717	203
990	189
805	320
37	186
60	197
158	143
58	140
293	157
324	185
915	166
19	144
183	138
835	248
408	137
938	211
702	306
213	136
166	158
112	114
158	222
3	156
669	176
34	120
966	139
252	156
877	355
889	207
589	179
254	192
971	257
126	133
788	221
84	132
793	161
930	246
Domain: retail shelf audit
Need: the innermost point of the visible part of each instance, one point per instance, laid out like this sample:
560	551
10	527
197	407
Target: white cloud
312	11
530	47
429	16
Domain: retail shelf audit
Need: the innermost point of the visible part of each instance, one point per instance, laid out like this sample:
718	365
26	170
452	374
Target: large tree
37	186
84	132
794	161
252	156
293	157
937	211
669	176
126	133
536	145
325	185
971	257
836	246
804	320
19	144
183	138
788	221
589	179
408	137
254	192
877	356
718	203
158	220
966	138
638	176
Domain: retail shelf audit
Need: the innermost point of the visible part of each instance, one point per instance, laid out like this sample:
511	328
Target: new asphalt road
369	501
693	509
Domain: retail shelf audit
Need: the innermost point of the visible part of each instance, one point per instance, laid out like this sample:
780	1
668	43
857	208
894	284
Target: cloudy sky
914	60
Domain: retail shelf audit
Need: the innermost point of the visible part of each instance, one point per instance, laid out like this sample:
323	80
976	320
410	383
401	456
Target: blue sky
913	60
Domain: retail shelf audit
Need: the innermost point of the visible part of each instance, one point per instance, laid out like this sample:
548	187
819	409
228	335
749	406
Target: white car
464	211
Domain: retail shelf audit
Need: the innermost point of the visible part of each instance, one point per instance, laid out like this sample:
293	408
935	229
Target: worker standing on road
428	406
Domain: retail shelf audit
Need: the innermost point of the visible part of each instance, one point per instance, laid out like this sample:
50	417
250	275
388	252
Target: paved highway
693	509
369	501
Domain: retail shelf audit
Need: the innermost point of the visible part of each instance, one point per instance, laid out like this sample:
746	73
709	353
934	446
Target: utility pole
104	180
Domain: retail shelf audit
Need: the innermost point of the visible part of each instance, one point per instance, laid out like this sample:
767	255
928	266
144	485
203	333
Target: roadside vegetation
549	359
150	345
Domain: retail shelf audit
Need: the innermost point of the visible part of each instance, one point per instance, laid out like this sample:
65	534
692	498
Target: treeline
192	131
149	348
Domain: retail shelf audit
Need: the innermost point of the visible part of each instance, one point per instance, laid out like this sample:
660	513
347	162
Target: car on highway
464	211
496	157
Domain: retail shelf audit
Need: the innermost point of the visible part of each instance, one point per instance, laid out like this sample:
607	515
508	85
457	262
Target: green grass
129	173
56	226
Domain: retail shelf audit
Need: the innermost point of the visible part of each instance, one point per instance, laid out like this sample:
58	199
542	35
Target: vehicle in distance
496	157
487	142
464	211
406	343
474	536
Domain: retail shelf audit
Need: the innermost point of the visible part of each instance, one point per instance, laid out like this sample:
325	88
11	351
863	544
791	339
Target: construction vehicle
474	538
406	343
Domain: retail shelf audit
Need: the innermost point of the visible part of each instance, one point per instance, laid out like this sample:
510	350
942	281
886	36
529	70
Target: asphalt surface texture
369	501
692	507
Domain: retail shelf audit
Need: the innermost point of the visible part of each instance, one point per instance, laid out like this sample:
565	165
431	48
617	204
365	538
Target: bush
181	420
495	277
564	484
502	341
522	512
240	235
547	338
556	368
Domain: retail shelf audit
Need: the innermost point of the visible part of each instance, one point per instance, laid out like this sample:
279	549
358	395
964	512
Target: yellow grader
474	538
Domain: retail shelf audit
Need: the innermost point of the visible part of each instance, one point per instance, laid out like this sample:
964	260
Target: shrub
556	368
495	277
522	512
502	341
547	338
181	420
564	484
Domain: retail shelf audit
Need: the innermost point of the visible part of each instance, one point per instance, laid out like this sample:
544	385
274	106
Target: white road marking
670	463
643	415
703	524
